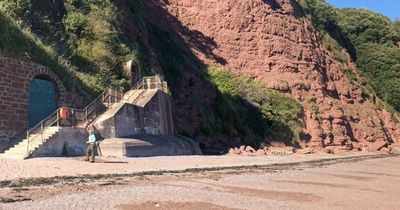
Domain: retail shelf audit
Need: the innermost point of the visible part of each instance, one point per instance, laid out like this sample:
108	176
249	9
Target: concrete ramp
143	145
140	97
135	97
109	113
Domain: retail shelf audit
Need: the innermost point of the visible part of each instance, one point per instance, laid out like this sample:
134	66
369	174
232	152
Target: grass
247	107
18	42
86	49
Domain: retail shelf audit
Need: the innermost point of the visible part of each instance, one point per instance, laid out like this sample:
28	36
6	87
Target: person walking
91	146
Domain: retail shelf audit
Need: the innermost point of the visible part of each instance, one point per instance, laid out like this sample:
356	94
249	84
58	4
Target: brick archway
16	75
45	73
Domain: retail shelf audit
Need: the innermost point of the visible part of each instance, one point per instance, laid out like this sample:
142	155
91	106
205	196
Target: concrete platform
143	145
67	142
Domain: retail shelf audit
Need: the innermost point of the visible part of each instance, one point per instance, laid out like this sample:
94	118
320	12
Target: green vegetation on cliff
245	103
372	40
78	38
377	41
85	44
15	41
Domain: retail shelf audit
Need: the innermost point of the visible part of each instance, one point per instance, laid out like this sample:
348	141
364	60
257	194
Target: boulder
306	151
323	151
234	151
261	152
386	150
277	144
250	149
376	146
242	148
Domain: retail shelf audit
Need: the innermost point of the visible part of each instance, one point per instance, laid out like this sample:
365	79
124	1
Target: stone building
145	109
31	94
28	93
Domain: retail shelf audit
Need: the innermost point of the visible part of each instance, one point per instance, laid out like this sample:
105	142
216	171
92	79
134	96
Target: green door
42	100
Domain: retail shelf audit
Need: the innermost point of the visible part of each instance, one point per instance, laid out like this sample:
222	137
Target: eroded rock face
273	41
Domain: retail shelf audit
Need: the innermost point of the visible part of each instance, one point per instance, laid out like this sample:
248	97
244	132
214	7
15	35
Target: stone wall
15	78
153	117
149	145
67	142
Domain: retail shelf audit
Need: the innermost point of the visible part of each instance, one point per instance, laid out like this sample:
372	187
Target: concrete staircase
139	97
20	151
107	104
132	96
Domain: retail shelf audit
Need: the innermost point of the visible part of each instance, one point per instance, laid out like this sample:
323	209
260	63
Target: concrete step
24	146
19	151
24	143
18	157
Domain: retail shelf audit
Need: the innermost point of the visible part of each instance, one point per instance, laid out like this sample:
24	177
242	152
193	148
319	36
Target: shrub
247	105
75	22
19	9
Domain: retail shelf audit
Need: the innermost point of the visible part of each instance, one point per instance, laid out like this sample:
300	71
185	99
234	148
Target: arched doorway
43	100
132	71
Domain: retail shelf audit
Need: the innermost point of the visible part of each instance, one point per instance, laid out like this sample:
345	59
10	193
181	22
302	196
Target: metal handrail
141	84
129	98
44	124
41	122
137	85
42	128
100	96
92	107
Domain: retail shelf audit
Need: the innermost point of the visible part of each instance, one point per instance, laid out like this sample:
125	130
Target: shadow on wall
200	111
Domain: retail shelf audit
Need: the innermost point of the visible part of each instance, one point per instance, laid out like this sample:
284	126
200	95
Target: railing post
86	113
41	130
73	118
109	97
58	118
27	142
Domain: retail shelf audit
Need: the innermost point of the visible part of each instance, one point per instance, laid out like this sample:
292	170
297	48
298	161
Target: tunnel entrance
42	100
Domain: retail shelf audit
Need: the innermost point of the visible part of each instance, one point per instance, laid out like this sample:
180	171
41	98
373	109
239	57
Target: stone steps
20	151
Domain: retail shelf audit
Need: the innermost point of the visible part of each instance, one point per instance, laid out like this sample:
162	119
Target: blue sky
389	8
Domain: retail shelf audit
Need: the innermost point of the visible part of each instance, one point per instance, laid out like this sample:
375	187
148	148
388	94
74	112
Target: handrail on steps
150	82
113	96
145	83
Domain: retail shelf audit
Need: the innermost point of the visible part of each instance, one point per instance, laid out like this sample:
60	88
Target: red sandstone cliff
273	41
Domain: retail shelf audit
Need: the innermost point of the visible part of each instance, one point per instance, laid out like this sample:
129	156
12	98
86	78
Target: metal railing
84	117
77	117
151	82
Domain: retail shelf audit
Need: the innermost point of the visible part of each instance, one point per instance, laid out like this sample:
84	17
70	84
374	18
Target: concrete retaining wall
67	142
154	118
149	145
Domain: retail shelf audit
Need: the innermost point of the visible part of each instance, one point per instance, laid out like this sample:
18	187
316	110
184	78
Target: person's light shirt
92	139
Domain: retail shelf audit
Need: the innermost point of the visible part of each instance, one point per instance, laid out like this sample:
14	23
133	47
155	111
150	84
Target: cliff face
273	41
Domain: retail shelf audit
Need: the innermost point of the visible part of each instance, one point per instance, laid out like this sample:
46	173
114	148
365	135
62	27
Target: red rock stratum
273	41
